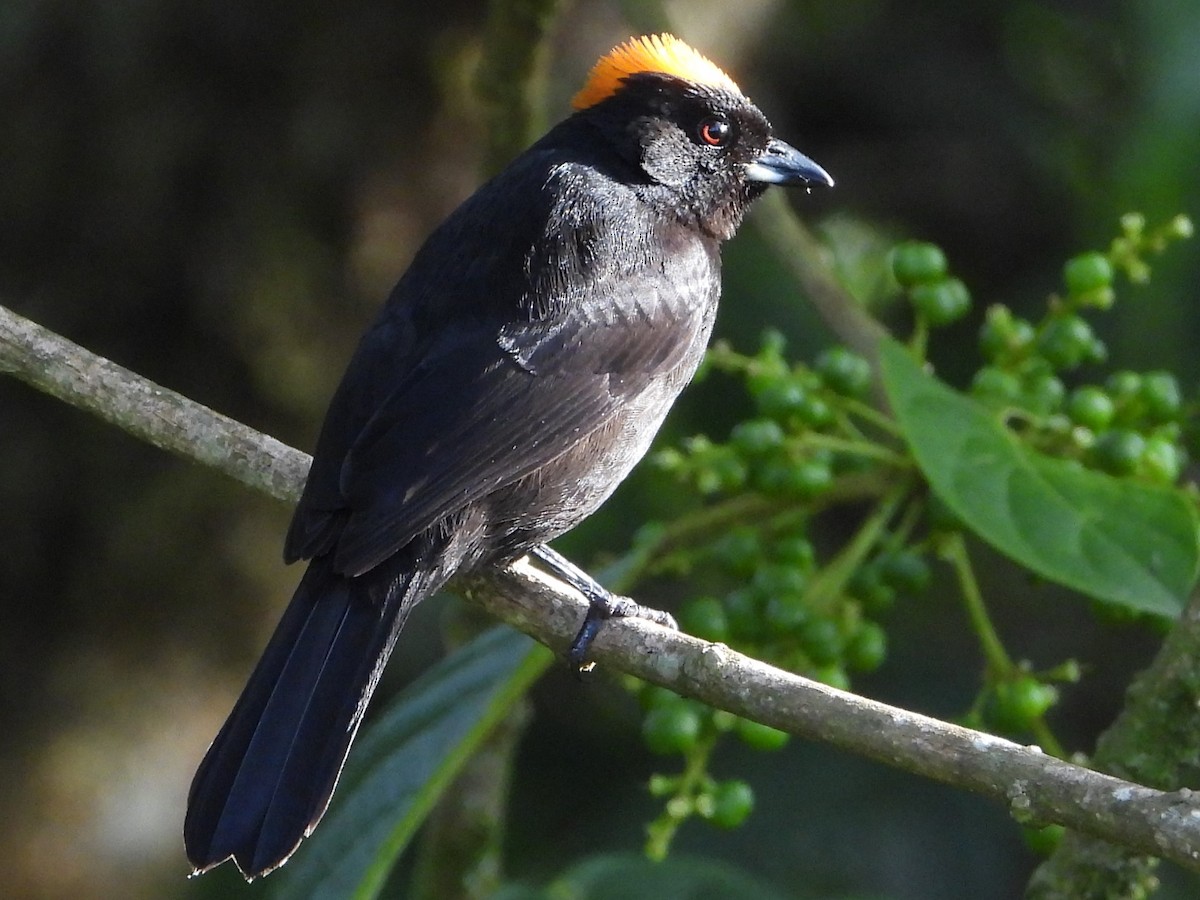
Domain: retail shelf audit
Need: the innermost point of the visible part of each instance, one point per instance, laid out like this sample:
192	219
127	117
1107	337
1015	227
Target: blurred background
218	196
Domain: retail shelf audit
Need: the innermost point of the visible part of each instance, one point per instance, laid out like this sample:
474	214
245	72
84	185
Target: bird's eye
715	131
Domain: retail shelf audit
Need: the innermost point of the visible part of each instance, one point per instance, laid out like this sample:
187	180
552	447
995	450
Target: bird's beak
782	163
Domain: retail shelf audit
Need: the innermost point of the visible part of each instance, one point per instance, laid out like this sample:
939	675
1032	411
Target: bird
516	373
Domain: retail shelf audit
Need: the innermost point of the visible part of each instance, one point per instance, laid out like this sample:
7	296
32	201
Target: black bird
518	371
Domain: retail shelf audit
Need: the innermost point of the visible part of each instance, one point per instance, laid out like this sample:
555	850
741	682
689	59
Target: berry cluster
675	725
777	452
816	441
1131	423
813	442
937	297
804	450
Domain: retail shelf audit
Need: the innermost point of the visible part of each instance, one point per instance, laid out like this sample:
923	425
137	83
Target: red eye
715	131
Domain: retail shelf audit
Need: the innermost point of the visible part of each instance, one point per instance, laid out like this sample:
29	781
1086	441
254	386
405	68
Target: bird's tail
268	776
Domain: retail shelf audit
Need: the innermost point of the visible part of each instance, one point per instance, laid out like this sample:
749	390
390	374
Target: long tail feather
268	776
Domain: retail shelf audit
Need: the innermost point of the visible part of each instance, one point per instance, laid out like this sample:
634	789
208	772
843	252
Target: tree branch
1034	786
62	369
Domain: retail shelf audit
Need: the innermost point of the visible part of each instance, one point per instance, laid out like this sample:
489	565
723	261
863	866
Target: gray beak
782	163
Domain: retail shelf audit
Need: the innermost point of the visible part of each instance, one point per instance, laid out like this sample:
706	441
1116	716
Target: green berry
810	479
995	331
815	412
722	720
1091	407
833	675
757	437
1181	227
823	642
705	618
1043	394
745	610
1160	394
761	737
765	373
1045	840
670	459
1018	703
941	302
805	479
776	580
785	614
782	399
729	473
1161	461
1118	451
794	551
915	262
652	697
996	387
732	802
672	729
1002	336
906	571
662	785
868	586
1066	342
1022	337
867	649
1080	438
1124	386
844	371
1088	272
772	477
739	550
1133	224
772	343
720	469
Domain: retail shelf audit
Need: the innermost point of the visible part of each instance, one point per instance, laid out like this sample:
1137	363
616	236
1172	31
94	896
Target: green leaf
1111	538
637	878
404	762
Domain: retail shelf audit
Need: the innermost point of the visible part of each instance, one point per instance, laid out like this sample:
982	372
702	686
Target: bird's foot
602	605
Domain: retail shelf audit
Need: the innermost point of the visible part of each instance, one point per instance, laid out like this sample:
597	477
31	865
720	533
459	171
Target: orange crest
663	53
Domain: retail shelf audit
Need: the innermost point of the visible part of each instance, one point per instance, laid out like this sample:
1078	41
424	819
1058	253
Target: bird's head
689	131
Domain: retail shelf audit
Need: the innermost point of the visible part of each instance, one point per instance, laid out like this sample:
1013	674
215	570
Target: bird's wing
486	407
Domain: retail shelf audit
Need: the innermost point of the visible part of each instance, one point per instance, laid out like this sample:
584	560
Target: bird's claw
602	608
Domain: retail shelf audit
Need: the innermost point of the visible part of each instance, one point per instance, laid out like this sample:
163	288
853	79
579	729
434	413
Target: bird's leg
602	604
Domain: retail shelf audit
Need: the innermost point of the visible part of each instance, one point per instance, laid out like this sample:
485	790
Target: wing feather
479	420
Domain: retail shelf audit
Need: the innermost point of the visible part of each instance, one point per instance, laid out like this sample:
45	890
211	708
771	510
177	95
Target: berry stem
954	551
689	785
856	448
868	413
831	580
